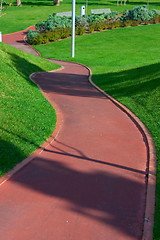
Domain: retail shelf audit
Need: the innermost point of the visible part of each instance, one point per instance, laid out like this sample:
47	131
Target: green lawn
27	118
126	64
19	18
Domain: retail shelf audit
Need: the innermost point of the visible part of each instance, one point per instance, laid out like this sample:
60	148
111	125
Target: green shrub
111	25
95	18
64	32
127	23
111	16
54	22
80	30
135	23
31	35
138	14
91	28
81	21
40	26
99	26
37	40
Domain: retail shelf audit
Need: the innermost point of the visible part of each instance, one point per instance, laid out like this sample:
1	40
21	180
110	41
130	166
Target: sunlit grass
27	118
19	18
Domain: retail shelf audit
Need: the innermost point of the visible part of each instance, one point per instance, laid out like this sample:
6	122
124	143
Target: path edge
48	141
151	163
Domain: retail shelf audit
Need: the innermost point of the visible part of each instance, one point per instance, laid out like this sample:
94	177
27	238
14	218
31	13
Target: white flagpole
73	28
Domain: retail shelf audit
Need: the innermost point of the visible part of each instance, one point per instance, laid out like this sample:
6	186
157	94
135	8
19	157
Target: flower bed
57	27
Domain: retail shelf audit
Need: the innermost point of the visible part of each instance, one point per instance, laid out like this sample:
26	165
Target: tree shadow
66	84
23	67
38	3
10	155
95	195
55	82
156	4
130	82
80	155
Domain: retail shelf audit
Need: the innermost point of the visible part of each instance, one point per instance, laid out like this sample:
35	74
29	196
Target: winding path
89	182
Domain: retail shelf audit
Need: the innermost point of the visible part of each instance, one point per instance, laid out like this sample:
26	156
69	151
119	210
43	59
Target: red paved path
89	184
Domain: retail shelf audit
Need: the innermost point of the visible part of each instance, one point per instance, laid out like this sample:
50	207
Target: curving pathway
89	182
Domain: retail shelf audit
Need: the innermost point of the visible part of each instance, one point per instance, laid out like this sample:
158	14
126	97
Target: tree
57	2
19	3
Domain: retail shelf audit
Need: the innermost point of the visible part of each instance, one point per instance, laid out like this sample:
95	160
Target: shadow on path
91	194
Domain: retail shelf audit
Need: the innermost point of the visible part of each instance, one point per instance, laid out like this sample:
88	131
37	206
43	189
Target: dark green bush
31	35
37	40
41	26
111	16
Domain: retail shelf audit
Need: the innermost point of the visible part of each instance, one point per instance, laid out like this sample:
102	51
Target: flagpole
73	28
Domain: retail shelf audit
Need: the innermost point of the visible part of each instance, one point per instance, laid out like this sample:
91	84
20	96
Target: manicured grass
27	118
19	18
126	64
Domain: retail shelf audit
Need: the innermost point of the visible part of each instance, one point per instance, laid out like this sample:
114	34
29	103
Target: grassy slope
27	118
19	18
126	64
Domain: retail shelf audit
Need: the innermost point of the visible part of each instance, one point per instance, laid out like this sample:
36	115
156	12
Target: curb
151	164
36	153
19	31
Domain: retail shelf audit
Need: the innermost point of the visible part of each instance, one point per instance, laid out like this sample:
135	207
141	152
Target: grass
19	18
126	64
27	118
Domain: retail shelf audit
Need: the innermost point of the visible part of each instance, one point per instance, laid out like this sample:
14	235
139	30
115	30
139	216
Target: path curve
90	182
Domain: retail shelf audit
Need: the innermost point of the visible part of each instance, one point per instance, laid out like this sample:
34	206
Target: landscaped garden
59	27
125	63
19	18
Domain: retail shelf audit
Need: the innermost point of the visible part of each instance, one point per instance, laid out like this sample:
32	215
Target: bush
138	14
135	23
127	23
80	30
81	21
156	19
57	27
99	26
111	16
31	35
91	28
54	22
146	22
40	26
95	18
37	40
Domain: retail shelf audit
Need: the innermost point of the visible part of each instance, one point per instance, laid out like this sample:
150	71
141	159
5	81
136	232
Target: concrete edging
48	141
151	164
